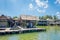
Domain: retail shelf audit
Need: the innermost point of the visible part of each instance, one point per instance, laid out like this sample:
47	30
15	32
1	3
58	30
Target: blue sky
30	7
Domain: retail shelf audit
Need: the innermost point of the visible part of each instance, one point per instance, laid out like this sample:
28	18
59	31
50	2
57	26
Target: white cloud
41	11
57	2
46	6
41	3
30	6
58	13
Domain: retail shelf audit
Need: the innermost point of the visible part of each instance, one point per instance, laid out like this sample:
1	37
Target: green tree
47	17
55	17
15	17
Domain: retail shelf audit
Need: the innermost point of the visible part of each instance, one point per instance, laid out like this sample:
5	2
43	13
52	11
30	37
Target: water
52	33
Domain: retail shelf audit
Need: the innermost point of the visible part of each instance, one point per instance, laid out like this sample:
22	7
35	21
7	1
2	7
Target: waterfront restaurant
28	21
42	22
54	22
3	21
48	22
6	21
57	22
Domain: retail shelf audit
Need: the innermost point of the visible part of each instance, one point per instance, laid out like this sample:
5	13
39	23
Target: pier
22	30
32	30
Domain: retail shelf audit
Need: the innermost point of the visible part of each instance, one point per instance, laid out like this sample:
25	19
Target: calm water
52	33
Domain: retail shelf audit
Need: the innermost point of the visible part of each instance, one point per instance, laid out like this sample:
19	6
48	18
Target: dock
8	31
32	30
23	30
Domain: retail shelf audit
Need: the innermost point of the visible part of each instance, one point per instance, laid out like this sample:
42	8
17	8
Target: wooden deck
32	30
7	30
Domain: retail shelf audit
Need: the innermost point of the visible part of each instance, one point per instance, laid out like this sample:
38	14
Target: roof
28	17
42	20
3	17
50	20
16	19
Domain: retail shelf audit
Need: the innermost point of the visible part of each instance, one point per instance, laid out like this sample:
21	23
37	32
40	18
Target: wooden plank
22	30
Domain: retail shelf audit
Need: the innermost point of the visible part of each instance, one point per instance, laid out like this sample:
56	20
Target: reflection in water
51	34
14	37
42	36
